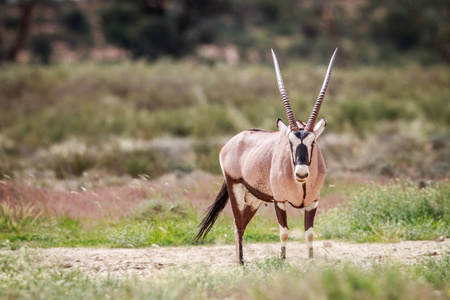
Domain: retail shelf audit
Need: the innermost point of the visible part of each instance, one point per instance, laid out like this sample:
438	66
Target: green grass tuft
390	213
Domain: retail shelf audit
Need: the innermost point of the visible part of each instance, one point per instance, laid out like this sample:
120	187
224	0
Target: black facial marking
301	153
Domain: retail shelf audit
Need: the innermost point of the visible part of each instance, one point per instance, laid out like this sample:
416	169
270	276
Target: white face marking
294	140
239	193
312	205
284	234
301	170
307	141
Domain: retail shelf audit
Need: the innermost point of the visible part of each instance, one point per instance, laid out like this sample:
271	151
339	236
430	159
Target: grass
132	232
391	213
144	101
165	215
138	215
43	107
27	274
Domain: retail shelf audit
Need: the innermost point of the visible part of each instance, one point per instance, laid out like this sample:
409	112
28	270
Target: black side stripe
304	191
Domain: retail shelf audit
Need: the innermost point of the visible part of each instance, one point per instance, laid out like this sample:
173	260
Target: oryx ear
320	126
283	127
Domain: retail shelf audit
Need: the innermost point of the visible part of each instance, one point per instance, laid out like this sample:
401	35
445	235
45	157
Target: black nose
303	176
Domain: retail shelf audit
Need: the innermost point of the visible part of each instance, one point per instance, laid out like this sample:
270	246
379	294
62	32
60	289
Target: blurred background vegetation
154	87
366	31
113	113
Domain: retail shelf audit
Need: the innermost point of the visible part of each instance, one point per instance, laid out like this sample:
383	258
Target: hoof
283	253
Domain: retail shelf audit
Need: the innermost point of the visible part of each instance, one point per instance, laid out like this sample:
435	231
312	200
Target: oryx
281	166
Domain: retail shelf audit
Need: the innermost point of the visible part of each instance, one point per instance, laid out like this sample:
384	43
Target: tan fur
264	161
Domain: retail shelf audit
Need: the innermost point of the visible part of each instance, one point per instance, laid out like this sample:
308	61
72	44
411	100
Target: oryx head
302	138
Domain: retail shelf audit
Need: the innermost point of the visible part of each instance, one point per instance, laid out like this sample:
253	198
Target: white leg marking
281	205
239	193
284	234
309	237
312	205
252	201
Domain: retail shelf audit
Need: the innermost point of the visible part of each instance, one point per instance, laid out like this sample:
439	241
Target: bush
118	22
41	47
158	36
207	157
211	120
78	27
74	164
135	162
75	22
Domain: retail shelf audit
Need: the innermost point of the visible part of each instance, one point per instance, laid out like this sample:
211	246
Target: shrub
78	27
74	164
41	47
135	162
75	21
207	157
211	120
118	22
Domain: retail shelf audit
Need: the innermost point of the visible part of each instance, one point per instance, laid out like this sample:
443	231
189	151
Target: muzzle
301	172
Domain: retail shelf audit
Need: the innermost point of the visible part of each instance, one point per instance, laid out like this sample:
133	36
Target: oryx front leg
280	209
310	213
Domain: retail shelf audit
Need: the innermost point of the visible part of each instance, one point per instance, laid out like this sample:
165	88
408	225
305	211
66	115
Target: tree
26	9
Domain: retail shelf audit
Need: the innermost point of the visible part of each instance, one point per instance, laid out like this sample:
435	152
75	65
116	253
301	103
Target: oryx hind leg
244	207
280	209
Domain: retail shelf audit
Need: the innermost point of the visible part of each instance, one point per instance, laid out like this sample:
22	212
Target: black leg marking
280	210
309	230
243	213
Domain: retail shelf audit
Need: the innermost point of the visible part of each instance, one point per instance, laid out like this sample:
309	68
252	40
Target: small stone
441	238
156	246
327	244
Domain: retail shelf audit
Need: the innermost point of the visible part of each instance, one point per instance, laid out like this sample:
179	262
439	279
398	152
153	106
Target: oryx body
281	166
262	162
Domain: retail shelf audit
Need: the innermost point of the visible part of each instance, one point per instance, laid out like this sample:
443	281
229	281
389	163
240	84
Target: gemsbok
280	166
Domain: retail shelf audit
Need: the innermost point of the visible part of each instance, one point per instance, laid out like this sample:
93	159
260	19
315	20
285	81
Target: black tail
212	213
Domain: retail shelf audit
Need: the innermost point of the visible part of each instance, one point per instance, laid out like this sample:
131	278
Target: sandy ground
147	262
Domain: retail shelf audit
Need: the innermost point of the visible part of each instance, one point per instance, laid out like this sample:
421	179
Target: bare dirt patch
147	262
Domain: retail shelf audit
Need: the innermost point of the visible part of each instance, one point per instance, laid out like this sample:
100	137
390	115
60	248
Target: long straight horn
312	119
290	114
